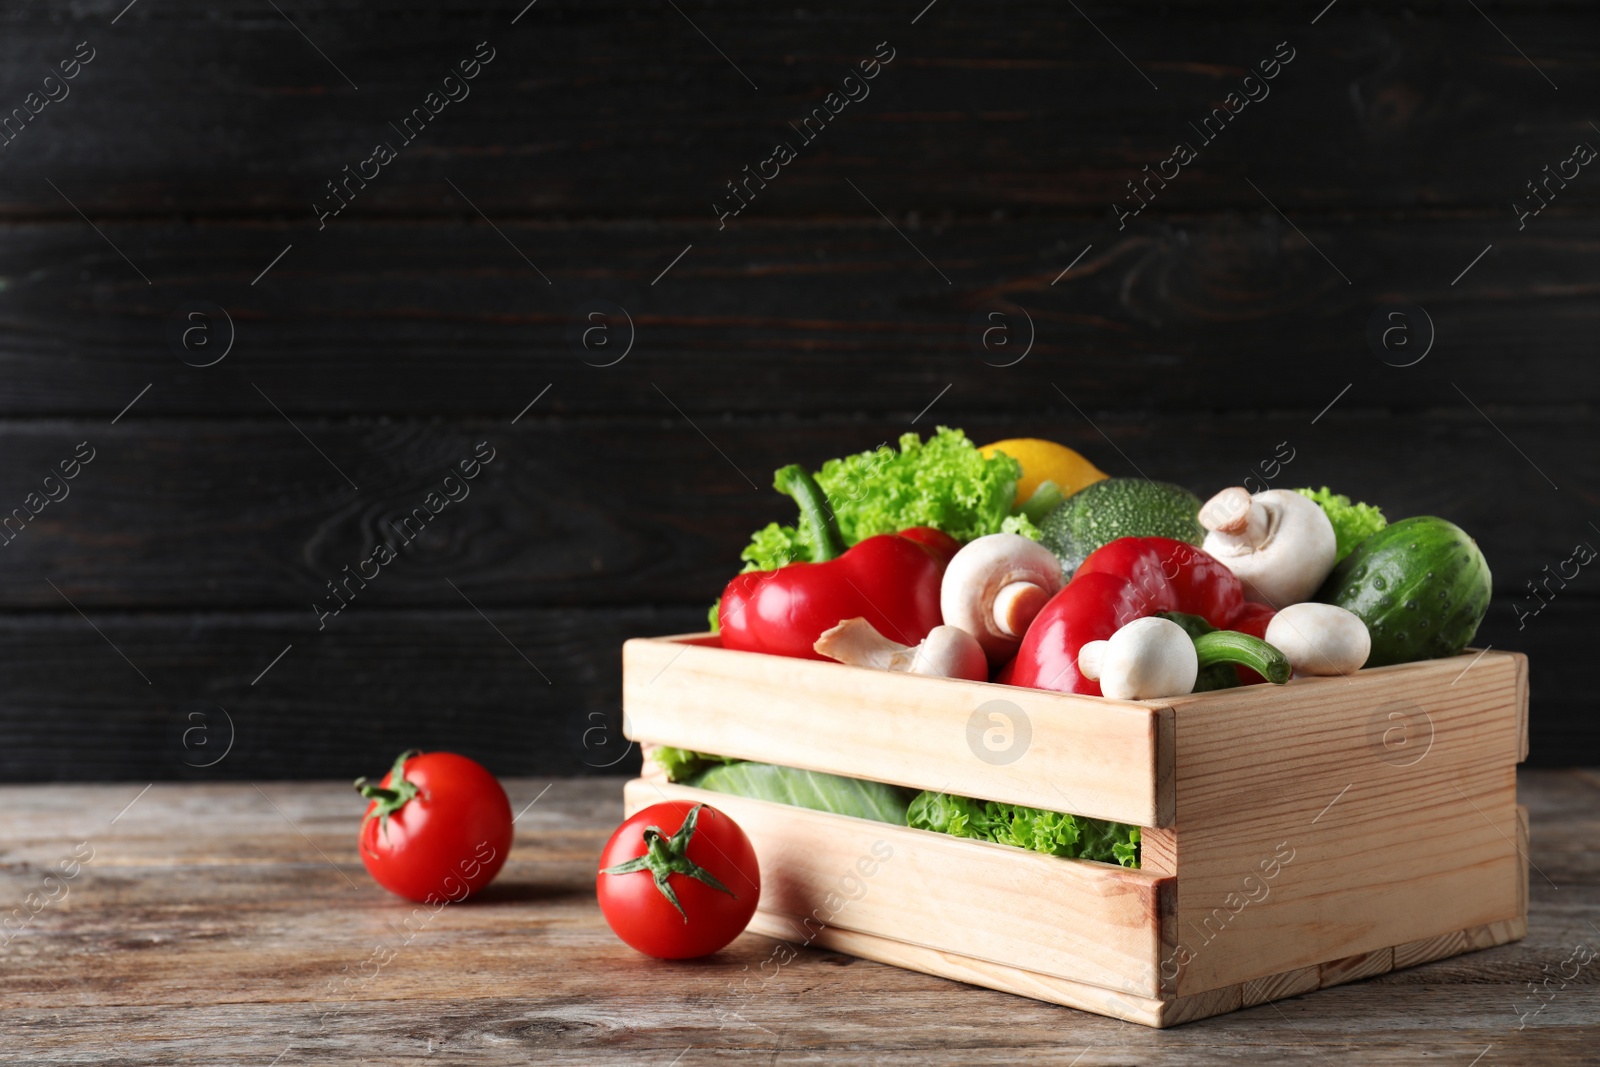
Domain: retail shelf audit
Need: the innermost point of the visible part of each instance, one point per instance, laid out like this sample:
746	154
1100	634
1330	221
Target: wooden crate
1295	837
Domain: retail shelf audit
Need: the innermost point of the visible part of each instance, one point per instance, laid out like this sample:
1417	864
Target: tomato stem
666	856
390	798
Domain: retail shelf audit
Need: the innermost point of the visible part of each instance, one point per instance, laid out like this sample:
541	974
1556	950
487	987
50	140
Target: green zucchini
1421	585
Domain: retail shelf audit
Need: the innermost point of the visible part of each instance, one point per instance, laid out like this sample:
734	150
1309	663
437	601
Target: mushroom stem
947	652
1231	510
1015	606
994	587
1090	657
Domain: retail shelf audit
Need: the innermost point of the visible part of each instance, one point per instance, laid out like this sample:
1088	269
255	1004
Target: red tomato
438	828
678	880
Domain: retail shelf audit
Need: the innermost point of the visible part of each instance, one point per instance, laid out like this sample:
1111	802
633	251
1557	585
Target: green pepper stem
816	514
1041	503
1231	646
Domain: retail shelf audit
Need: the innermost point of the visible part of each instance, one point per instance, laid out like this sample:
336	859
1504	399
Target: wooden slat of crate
1149	1011
1391	844
1089	923
1103	758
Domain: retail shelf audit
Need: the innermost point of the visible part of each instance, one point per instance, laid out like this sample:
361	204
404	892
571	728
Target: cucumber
1421	585
1119	507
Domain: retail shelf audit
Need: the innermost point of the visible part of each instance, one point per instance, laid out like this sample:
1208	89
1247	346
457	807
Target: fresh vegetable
1049	832
1212	677
1044	500
1159	656
994	587
943	482
1119	507
1042	831
1215	674
1148	658
808	789
1046	461
681	764
1421	585
891	580
1352	523
438	827
1280	544
678	880
1131	578
1320	639
947	651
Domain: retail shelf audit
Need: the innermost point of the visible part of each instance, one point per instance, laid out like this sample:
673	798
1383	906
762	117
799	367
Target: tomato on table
438	828
678	880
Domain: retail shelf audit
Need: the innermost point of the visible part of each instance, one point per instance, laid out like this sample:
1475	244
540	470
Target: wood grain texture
1341	818
622	108
376	682
335	705
1088	923
246	514
1250	798
1232	312
1089	756
1354	968
1197	338
1293	983
207	930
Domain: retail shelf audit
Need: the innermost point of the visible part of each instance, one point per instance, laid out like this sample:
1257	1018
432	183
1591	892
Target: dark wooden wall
377	352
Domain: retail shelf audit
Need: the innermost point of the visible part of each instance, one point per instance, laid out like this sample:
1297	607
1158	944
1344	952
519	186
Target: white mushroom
1320	639
995	586
1279	543
1147	659
947	651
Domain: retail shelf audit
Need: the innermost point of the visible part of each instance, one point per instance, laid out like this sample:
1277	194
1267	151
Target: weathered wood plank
344	702
145	964
248	515
1083	922
334	706
1411	769
1091	757
1214	313
621	108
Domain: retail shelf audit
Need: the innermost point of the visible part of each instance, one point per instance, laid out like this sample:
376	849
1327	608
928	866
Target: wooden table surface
235	925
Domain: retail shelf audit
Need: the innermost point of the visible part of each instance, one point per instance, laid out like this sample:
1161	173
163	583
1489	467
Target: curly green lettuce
1352	523
1050	832
943	482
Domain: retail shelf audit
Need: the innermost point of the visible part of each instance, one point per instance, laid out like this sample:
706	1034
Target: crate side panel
1083	755
1083	996
1087	922
1342	816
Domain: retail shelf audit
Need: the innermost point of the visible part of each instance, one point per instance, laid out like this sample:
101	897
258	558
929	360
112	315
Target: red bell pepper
1128	579
891	580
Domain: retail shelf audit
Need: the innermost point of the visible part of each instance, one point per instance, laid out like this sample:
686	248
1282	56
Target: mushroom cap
1281	547
1320	639
1147	659
995	586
